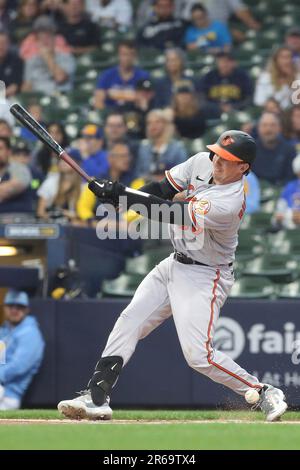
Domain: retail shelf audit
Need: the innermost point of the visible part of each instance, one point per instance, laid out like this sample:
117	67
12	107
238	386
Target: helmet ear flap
211	155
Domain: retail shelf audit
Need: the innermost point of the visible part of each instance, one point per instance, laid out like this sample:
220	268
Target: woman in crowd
174	72
160	151
59	193
45	159
276	81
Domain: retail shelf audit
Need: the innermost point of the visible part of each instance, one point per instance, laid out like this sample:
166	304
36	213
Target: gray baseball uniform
192	294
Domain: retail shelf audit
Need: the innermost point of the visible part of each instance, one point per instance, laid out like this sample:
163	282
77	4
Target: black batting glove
108	191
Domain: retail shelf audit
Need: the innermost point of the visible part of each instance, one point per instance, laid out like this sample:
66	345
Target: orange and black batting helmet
236	146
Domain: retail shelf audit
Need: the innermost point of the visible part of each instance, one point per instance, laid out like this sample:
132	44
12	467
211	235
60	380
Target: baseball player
193	283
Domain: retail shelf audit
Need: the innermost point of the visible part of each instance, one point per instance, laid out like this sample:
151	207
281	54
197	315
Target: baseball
252	396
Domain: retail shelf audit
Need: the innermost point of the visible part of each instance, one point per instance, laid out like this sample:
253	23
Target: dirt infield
138	421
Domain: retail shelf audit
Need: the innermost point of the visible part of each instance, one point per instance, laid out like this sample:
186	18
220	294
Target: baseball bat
31	124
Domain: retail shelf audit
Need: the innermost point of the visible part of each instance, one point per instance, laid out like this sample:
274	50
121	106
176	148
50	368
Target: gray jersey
215	210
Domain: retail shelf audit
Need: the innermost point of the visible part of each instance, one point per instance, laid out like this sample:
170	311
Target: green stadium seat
31	97
250	245
285	242
253	288
79	97
278	268
151	58
212	135
290	291
124	286
268	207
261	222
269	191
236	120
145	263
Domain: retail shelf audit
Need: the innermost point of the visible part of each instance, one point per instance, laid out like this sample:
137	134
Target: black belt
181	258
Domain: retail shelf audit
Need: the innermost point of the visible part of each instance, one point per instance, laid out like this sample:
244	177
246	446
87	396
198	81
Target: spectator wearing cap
49	71
287	211
136	112
11	66
82	34
204	34
43	28
275	153
189	118
227	86
175	61
277	79
119	169
116	85
45	159
15	180
160	151
115	14
24	349
292	40
91	149
162	30
59	193
27	12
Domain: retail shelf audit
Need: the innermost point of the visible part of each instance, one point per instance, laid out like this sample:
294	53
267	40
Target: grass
138	435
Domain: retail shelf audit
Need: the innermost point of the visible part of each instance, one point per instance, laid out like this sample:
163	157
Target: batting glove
107	191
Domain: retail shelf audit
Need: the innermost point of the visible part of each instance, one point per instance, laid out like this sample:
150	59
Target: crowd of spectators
148	121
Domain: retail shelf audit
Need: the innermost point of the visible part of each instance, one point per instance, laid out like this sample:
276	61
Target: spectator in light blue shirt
287	211
252	191
210	36
22	349
116	85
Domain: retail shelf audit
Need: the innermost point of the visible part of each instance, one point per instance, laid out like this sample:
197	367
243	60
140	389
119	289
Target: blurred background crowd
132	88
